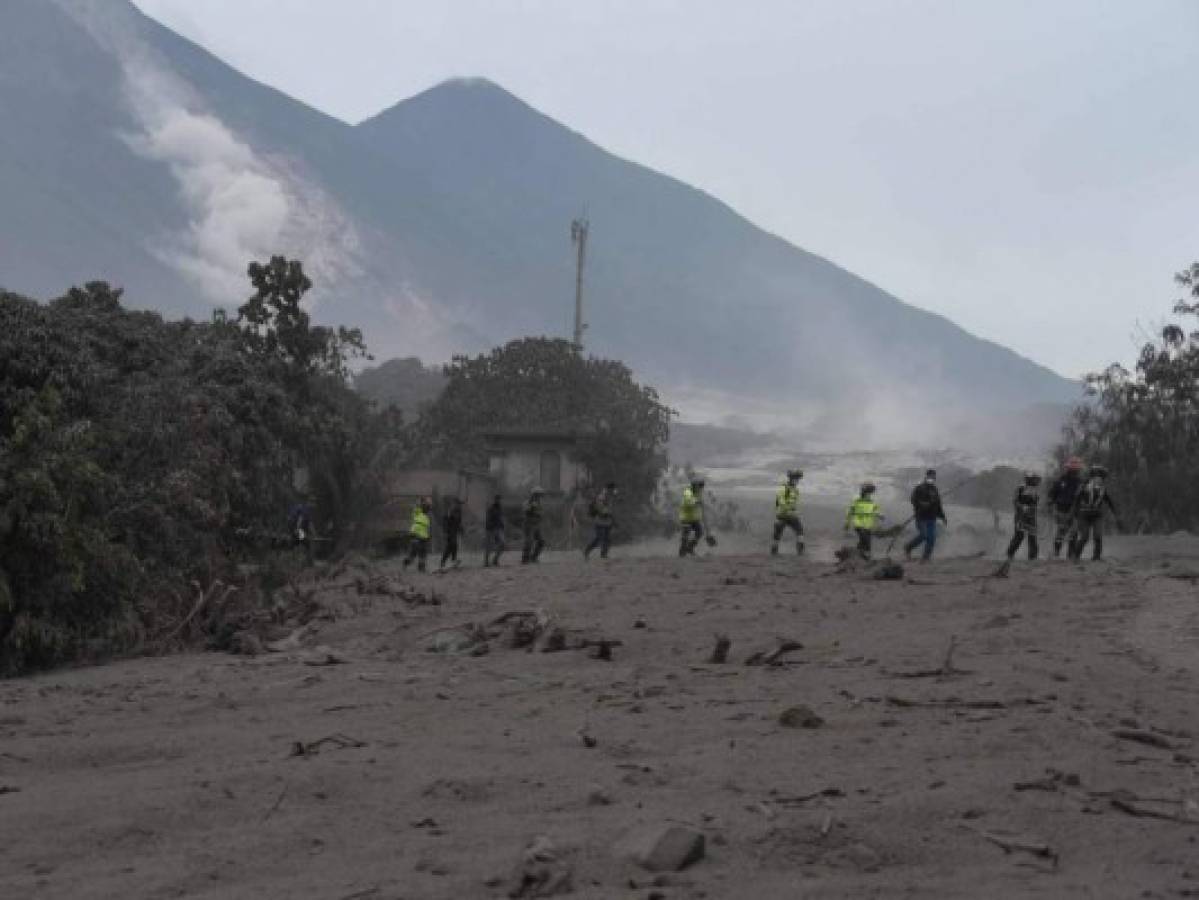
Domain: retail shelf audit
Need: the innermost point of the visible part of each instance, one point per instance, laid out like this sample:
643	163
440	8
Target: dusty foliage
140	457
1144	425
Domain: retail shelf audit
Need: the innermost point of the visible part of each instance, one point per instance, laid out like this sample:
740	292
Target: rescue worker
494	528
786	512
863	517
691	517
1061	495
451	524
601	514
1089	505
1025	503
418	535
534	543
926	510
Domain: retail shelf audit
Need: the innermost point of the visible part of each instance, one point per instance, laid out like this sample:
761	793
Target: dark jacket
1026	501
601	509
926	502
452	523
1064	490
1091	499
495	517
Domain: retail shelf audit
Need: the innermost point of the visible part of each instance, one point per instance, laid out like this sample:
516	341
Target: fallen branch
945	670
9	789
204	596
1127	805
338	740
1009	845
948	703
1144	737
804	798
774	657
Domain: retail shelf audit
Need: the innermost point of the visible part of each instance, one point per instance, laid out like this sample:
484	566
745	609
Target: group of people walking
1078	497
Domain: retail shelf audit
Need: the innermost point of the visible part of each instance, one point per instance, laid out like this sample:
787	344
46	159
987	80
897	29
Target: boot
774	549
799	548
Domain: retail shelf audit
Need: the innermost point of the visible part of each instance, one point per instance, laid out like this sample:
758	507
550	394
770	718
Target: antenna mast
578	236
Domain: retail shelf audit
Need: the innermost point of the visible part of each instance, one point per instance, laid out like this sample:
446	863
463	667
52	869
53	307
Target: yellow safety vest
692	508
863	513
786	503
420	524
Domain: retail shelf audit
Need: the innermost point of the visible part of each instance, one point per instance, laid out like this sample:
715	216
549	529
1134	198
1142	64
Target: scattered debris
9	789
1010	844
806	798
597	796
323	656
338	741
541	872
1053	781
1185	812
665	848
945	670
720	653
800	717
1144	737
774	657
890	571
949	703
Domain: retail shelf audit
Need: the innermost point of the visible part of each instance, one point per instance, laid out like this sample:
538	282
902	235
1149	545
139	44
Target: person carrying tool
534	542
1061	494
691	516
1025	503
786	512
451	524
494	530
926	510
601	514
418	535
863	517
1089	506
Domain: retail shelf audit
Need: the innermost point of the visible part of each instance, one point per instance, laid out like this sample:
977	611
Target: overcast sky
1029	168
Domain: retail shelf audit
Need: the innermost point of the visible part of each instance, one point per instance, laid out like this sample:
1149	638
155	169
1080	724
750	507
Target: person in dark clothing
494	528
534	542
299	526
601	513
1089	506
451	524
1061	494
926	510
1026	501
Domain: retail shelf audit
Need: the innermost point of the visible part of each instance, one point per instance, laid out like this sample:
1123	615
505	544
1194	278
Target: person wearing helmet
863	517
1025	503
926	510
1061	495
418	535
786	512
534	542
1089	506
691	517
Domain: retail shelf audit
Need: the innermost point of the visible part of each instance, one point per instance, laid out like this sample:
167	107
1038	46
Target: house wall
516	467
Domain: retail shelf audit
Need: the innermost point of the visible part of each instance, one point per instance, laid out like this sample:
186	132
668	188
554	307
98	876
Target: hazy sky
1029	168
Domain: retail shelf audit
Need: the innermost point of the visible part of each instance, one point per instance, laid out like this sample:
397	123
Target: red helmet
1075	464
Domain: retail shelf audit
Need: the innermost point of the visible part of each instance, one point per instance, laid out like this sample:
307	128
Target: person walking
451	524
863	517
1089	506
786	512
691	517
926	510
1025	503
534	513
1061	495
418	535
601	514
493	529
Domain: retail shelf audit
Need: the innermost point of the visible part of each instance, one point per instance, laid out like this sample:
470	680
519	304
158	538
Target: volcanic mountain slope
439	226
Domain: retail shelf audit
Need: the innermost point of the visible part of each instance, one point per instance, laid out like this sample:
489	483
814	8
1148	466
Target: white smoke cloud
242	204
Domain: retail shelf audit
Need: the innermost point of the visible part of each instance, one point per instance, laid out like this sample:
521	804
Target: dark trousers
418	549
1087	528
602	540
494	547
693	533
926	534
1064	532
534	544
1018	539
781	524
865	541
451	549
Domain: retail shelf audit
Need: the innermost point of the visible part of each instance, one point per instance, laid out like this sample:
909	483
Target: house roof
551	432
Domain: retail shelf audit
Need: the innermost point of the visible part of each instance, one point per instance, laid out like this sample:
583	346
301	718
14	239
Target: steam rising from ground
242	204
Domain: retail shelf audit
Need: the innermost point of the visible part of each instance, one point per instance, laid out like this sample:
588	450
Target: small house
520	459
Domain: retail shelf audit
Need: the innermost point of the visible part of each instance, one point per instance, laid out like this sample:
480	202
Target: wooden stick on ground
1009	845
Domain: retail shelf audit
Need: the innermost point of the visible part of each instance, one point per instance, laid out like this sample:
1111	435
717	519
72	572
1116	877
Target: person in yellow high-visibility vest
691	517
786	512
418	535
863	517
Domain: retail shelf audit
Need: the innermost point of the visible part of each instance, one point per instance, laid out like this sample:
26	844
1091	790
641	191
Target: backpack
1090	499
593	509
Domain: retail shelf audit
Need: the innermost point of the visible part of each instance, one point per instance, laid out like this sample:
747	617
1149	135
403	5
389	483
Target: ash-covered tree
1144	425
622	426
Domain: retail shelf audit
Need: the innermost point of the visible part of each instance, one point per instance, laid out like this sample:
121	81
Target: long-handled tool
912	517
